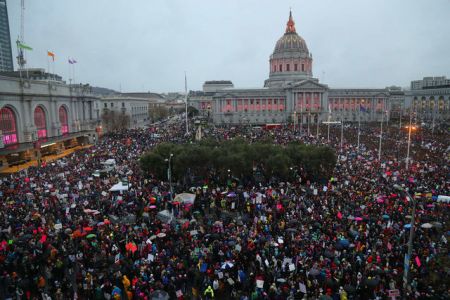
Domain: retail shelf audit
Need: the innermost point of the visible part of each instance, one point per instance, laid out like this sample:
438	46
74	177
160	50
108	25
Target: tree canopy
239	159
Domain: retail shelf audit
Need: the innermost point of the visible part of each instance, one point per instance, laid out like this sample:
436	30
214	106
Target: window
281	68
295	67
63	119
303	68
40	123
112	104
287	67
106	105
8	126
123	104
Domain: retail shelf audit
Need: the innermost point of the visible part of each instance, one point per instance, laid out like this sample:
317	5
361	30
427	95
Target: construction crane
20	57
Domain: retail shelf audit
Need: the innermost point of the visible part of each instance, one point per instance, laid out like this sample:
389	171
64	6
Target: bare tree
158	113
114	121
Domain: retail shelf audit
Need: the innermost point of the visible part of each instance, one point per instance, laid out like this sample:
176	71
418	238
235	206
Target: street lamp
410	128
411	236
169	175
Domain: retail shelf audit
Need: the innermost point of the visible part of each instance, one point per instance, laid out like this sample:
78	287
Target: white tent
185	198
119	187
442	198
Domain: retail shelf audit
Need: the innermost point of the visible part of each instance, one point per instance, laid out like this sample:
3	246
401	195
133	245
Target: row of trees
238	158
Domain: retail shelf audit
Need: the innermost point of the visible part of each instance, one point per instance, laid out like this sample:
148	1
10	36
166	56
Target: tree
213	158
114	121
158	113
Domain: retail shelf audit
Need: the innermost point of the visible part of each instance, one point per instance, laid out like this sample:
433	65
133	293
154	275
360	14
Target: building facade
41	117
132	112
292	94
430	98
6	58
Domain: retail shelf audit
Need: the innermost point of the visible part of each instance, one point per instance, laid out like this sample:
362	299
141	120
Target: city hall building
292	94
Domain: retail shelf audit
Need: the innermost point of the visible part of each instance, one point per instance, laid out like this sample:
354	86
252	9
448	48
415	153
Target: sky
148	45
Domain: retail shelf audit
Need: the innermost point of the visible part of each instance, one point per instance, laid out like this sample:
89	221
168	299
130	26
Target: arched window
8	126
63	119
40	123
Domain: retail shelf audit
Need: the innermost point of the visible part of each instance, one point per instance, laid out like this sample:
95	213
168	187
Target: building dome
291	41
290	60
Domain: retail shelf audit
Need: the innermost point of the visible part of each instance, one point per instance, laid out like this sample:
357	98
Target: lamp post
169	175
411	236
342	132
381	137
295	120
359	121
410	128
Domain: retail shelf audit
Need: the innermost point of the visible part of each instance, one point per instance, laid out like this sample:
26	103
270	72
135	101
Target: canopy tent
442	198
185	198
119	187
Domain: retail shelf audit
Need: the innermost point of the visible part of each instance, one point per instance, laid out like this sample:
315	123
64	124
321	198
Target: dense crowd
65	235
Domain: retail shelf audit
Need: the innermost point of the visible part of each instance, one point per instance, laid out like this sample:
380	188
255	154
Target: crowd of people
65	235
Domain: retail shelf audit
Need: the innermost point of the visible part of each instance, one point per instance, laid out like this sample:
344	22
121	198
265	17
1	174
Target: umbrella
193	232
426	225
358	219
373	282
328	254
291	230
232	194
227	265
68	231
281	280
152	237
345	243
231	243
131	247
437	224
314	272
161	235
407	226
385	217
349	288
160	295
91	236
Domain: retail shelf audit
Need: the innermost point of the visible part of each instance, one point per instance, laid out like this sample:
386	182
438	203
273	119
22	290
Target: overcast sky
146	45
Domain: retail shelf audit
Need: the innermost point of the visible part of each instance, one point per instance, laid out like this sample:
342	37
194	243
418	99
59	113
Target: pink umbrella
380	200
358	219
152	206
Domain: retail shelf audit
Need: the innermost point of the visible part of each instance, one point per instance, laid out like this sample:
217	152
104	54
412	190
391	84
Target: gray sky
146	45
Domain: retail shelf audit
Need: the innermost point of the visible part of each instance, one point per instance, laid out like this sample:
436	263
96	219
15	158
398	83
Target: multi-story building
41	117
291	93
6	59
203	100
429	98
130	112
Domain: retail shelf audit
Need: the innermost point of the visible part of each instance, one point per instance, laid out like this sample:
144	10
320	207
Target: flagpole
48	66
381	136
359	124
342	132
329	117
186	99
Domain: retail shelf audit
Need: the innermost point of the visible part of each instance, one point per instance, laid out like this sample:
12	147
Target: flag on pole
23	46
72	61
51	54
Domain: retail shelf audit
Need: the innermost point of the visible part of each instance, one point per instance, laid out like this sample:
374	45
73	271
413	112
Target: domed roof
291	41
